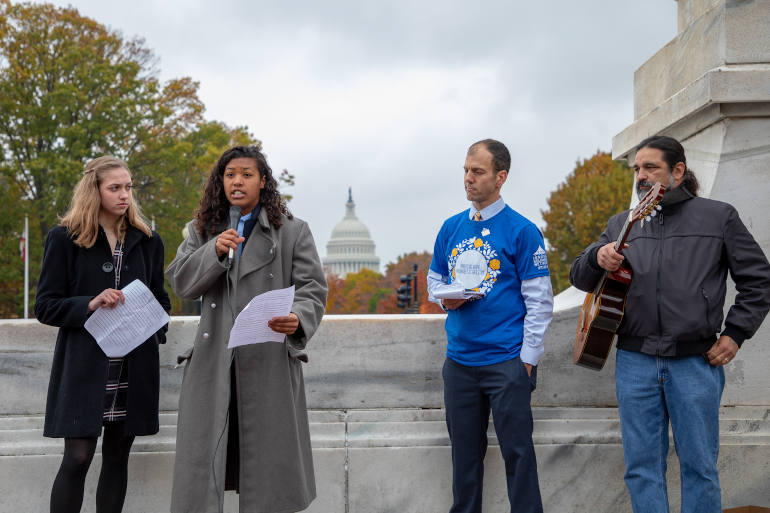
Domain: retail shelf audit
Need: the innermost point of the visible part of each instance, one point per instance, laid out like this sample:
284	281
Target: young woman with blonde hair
101	244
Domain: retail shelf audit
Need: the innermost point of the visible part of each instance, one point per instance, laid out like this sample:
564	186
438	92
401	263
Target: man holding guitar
669	363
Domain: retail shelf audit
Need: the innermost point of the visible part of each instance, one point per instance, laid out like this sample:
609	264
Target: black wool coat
70	277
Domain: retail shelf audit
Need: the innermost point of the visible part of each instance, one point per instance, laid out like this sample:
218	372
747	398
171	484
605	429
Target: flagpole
26	267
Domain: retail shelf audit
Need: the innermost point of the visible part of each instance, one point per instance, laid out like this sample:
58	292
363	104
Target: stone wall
377	423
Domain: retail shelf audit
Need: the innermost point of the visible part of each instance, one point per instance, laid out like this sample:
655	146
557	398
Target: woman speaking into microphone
242	416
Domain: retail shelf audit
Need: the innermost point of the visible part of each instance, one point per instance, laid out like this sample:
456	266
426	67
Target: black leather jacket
680	262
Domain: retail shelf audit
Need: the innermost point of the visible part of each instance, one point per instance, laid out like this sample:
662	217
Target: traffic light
405	291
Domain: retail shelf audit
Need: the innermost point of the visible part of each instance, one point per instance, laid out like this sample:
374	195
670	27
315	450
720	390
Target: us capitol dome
350	247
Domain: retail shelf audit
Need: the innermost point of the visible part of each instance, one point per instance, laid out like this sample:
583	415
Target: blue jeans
652	390
469	393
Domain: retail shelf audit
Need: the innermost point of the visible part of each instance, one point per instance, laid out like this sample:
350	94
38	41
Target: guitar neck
624	232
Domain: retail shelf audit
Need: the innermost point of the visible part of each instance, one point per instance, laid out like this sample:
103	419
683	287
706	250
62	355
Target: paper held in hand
455	291
250	326
469	272
120	330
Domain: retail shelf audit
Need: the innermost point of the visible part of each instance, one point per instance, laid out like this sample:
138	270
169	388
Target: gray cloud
386	96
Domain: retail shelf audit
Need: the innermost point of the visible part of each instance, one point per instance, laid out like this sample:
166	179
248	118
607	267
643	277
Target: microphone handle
235	214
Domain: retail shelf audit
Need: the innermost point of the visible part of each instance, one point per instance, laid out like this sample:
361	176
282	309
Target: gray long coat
276	465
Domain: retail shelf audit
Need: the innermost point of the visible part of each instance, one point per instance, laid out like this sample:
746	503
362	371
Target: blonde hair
82	218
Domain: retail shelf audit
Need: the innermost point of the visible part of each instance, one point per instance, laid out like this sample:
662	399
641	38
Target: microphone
235	216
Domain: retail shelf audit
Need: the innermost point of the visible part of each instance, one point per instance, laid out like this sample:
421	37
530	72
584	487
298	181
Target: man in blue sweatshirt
490	273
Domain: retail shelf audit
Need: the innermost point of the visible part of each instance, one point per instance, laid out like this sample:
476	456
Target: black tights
67	492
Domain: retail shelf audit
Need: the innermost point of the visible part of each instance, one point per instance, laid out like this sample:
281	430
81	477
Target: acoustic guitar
603	308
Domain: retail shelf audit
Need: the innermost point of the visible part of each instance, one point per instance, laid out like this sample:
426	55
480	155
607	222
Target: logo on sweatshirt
474	264
539	259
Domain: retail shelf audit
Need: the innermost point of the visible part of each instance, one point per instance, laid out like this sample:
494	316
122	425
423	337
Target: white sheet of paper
250	326
120	330
455	291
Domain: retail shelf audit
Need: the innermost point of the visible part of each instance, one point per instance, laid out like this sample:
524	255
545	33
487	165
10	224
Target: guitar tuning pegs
648	219
658	207
654	213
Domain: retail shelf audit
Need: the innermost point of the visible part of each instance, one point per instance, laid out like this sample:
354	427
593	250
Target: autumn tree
579	208
335	297
358	293
370	292
391	281
71	90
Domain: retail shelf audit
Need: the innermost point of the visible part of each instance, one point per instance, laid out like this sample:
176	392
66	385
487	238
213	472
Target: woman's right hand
227	240
109	298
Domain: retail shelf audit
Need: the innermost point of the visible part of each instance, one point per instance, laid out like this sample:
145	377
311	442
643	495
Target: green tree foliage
579	208
72	90
11	265
169	175
287	180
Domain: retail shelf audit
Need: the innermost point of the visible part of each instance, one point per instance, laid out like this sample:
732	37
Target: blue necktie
241	224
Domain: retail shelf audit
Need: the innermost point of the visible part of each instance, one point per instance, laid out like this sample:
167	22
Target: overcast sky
386	96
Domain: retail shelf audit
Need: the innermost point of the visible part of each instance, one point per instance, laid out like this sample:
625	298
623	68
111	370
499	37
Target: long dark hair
673	154
214	208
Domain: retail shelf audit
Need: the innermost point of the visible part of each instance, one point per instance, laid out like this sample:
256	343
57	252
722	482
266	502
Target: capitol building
350	247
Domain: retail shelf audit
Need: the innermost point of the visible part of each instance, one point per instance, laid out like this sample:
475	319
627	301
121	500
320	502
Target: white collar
489	211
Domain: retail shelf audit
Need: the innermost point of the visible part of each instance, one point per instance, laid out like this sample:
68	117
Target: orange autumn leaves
579	208
369	292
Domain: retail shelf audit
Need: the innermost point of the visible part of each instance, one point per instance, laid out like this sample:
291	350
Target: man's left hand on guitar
722	352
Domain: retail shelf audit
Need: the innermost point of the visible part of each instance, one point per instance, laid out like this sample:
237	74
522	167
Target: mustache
644	184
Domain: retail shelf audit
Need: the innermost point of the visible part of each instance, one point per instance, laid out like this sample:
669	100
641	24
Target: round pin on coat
107	267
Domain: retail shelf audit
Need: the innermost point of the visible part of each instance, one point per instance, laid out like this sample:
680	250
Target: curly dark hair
214	207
